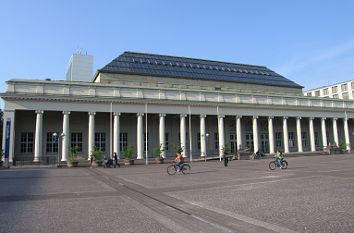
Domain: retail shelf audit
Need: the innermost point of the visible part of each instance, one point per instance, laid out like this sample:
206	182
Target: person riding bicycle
279	157
179	160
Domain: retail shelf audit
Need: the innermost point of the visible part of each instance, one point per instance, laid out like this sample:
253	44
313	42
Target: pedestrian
115	157
226	158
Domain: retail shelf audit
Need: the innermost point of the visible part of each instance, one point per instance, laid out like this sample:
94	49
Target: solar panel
150	64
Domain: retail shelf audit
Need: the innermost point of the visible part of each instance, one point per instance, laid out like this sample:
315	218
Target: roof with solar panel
182	67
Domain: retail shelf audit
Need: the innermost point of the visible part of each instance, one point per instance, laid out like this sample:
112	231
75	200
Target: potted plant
96	157
179	149
342	147
73	162
158	151
128	155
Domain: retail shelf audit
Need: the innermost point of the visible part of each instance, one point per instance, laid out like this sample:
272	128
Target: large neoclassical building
146	100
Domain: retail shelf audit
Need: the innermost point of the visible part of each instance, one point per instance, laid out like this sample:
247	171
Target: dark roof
171	66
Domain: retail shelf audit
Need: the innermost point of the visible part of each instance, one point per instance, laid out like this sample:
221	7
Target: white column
162	134
335	131
298	132
202	136
221	135
271	135
182	133
39	136
312	134
346	133
9	116
91	134
285	134
116	134
66	137
255	134
238	132
140	136
324	135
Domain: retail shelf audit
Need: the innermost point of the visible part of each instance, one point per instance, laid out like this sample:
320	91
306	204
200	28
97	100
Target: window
343	87
76	141
166	141
334	89
317	93
345	95
249	140
291	138
216	141
325	91
52	142
100	141
233	142
123	141
27	142
146	136
316	139
198	141
352	84
264	142
336	96
278	139
304	139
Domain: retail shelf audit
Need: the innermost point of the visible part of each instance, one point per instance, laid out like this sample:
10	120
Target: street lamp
57	137
207	145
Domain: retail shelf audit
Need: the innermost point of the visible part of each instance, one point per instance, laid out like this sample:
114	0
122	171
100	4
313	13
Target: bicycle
185	168
282	164
258	155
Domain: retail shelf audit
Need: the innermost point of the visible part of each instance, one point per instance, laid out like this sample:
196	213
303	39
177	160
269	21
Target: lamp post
207	145
57	137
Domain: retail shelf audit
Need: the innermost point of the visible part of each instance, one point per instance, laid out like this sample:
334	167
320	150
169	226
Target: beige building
145	100
343	90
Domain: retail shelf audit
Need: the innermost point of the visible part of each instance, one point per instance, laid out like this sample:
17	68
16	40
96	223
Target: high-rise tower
80	67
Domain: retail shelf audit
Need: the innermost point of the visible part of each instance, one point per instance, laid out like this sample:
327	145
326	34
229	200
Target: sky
308	41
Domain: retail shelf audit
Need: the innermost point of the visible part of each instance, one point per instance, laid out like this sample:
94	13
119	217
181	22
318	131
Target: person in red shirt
179	160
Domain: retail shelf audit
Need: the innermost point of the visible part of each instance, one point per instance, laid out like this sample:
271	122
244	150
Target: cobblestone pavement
315	194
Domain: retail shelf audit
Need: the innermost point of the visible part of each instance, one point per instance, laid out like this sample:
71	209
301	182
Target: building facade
343	90
146	100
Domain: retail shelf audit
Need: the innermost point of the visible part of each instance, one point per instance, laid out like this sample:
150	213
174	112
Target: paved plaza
315	194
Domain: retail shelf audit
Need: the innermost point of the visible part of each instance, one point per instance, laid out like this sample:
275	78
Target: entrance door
264	142
233	142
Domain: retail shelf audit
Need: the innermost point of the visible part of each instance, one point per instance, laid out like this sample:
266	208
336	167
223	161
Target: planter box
159	160
72	163
128	162
96	163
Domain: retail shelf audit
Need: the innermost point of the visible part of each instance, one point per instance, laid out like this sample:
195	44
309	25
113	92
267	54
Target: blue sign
7	139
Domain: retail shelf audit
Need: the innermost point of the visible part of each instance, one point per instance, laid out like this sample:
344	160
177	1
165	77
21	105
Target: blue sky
309	42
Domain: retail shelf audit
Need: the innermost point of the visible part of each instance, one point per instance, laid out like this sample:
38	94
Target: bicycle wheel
186	169
284	164
171	170
272	165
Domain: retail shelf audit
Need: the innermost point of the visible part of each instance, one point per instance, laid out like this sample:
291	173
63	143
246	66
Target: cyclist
179	160
279	157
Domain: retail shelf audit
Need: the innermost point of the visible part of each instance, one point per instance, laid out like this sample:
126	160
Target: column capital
202	115
92	113
334	118
161	114
66	112
39	111
183	115
221	116
298	118
140	114
285	117
116	114
271	117
311	118
323	118
238	116
254	117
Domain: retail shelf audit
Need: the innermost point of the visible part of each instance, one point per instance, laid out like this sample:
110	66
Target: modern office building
343	90
80	67
146	100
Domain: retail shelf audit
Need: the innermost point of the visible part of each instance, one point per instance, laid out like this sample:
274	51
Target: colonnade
183	142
